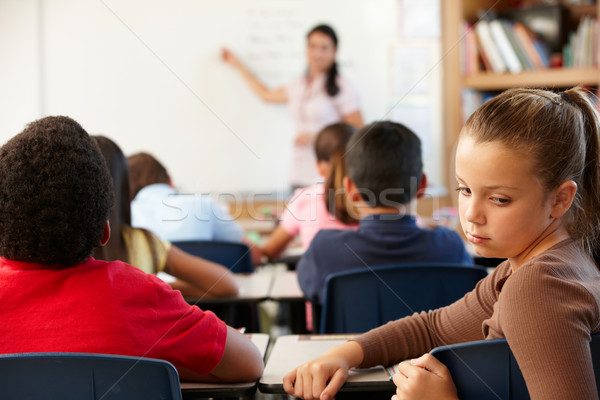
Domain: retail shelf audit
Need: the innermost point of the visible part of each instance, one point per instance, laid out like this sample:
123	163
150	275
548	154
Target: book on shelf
507	52
469	52
487	65
581	51
499	45
526	39
524	59
504	45
542	49
489	47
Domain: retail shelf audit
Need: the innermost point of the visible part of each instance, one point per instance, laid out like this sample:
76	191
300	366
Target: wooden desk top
290	351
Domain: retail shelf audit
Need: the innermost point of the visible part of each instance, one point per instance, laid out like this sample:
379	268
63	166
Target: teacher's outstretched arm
271	95
354	119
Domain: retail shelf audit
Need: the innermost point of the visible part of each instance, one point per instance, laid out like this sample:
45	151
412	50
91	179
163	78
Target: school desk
290	351
285	287
286	291
242	309
262	227
196	390
291	256
253	287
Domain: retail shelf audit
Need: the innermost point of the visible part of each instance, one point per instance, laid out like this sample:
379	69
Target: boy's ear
350	190
105	234
422	186
563	198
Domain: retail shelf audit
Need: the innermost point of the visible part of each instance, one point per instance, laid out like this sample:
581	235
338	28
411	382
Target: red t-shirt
104	307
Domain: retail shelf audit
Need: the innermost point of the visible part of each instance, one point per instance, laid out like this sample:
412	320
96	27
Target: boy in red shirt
55	198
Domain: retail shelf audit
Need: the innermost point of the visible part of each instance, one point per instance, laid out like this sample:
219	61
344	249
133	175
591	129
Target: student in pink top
319	98
307	211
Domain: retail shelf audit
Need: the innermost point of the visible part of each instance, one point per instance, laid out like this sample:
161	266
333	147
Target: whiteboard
148	74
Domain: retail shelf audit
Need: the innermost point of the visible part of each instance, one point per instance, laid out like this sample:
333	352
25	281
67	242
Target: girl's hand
320	378
323	377
424	378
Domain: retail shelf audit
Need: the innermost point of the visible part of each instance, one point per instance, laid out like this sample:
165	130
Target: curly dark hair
55	194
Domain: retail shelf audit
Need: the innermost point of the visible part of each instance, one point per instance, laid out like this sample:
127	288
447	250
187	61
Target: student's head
116	162
330	140
532	156
119	173
321	48
145	170
55	194
384	164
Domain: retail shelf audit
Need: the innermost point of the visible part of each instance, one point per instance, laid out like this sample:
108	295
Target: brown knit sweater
547	309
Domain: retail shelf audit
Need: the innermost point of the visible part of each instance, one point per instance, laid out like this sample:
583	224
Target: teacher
319	98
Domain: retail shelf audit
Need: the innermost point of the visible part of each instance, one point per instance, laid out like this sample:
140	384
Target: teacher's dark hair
330	85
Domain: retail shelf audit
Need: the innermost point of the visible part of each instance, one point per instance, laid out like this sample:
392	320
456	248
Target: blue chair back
361	299
235	256
487	369
76	376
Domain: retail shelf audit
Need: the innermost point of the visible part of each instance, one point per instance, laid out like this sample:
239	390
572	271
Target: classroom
359	199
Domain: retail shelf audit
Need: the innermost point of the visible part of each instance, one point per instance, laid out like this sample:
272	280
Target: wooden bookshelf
552	77
454	12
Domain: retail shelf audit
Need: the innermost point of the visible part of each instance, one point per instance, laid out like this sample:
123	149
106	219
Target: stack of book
502	46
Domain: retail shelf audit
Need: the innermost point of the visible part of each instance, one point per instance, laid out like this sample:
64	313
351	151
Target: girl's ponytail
586	215
335	198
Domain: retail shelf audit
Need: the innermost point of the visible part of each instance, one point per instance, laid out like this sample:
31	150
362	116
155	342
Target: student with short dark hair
56	197
157	206
145	170
385	177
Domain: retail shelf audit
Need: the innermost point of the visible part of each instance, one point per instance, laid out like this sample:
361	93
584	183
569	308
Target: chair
361	299
235	256
68	376
487	369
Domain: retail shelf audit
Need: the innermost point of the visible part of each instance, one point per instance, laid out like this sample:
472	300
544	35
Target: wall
148	74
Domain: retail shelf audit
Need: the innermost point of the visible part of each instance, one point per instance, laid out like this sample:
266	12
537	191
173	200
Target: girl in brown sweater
528	173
